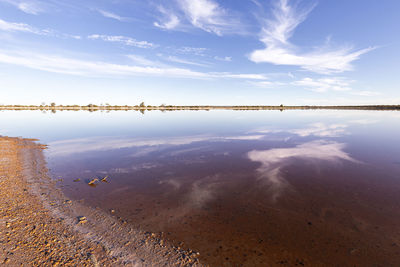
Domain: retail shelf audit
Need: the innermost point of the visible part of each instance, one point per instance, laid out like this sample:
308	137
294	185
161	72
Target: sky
200	52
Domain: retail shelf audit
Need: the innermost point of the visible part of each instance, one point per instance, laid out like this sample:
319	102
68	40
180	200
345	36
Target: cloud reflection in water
91	144
273	160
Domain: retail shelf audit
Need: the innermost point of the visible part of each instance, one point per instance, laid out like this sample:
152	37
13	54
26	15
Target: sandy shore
39	226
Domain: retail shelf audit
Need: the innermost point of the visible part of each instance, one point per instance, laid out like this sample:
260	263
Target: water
241	187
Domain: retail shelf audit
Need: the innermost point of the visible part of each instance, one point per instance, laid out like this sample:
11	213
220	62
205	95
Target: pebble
93	182
82	219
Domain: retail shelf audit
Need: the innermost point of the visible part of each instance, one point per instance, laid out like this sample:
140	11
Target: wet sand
39	226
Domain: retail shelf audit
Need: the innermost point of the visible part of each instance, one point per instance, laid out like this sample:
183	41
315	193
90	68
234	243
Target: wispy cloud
184	61
23	27
278	50
226	59
168	20
29	6
111	15
248	76
324	84
274	160
122	40
142	61
209	16
267	84
198	51
20	27
60	64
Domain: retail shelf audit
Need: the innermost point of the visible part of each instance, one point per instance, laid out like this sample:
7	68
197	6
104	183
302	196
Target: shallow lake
244	188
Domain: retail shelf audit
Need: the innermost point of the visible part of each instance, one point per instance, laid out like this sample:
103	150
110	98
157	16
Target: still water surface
241	187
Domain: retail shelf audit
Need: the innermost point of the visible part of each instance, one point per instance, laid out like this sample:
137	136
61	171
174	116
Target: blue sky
237	52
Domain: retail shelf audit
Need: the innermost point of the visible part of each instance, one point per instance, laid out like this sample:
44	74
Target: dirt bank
40	227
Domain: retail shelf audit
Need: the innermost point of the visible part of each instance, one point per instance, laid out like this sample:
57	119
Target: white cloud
274	160
209	16
184	61
111	15
123	40
197	51
324	84
23	27
267	84
276	33
64	65
140	60
19	27
169	21
240	76
59	64
76	37
227	59
30	6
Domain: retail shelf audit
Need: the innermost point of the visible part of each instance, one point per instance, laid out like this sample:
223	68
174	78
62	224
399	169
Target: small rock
77	180
105	179
82	219
93	182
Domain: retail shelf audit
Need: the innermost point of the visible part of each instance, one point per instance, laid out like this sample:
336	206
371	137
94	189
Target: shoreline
40	226
141	108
